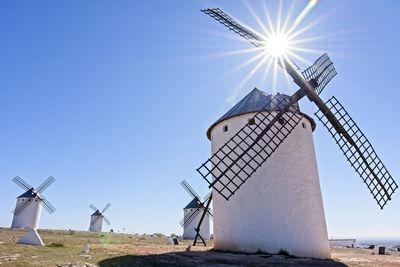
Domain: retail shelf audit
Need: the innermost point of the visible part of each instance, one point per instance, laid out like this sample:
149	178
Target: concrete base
31	238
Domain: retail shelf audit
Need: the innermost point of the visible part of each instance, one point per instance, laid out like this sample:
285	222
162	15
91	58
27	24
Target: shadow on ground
211	258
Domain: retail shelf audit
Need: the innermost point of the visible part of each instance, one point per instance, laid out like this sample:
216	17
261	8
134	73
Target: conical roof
29	194
96	213
256	101
194	204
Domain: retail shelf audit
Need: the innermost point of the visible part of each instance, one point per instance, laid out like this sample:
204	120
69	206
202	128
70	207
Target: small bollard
86	247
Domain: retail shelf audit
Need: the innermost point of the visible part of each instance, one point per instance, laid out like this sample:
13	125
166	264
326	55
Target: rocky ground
64	248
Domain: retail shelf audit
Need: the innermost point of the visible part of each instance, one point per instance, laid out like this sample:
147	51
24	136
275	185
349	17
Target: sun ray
233	97
270	61
299	58
245	63
237	52
288	17
256	17
279	17
271	27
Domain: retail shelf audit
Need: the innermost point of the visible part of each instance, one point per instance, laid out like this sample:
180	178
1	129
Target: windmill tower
97	218
263	170
193	223
29	205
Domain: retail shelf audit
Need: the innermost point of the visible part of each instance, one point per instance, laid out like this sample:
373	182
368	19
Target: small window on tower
225	128
304	125
281	120
252	121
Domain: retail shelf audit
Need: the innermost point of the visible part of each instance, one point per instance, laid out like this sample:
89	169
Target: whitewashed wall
280	207
29	216
96	224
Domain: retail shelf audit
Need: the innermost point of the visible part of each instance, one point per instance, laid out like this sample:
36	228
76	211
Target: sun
277	45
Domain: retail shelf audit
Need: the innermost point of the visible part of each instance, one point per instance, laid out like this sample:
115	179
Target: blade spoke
106	208
45	184
190	189
47	205
232	25
207	197
182	222
106	220
21	183
359	152
322	71
189	219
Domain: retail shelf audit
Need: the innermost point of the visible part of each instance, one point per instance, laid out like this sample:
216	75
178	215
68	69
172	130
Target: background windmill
96	219
196	215
29	205
262	136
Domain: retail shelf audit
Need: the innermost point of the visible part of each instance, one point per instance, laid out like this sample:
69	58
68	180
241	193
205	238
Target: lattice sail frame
322	71
232	25
230	167
374	174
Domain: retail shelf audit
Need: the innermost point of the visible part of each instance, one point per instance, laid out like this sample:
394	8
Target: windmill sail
45	184
322	71
231	24
360	153
189	217
190	189
47	205
21	183
250	147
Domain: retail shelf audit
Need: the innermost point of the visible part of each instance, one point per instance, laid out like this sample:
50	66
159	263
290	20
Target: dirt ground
64	248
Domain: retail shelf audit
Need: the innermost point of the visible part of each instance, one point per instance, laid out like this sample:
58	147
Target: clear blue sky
113	99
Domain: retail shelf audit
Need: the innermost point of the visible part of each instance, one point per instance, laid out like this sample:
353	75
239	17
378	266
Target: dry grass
108	249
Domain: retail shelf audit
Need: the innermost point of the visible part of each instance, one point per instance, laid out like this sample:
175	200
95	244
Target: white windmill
97	218
29	205
263	170
195	222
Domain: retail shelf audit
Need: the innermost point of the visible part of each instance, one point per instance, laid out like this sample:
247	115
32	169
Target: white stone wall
96	223
29	217
278	208
190	233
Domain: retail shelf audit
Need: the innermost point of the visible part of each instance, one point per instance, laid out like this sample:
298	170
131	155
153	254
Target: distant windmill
29	205
196	216
264	147
96	219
